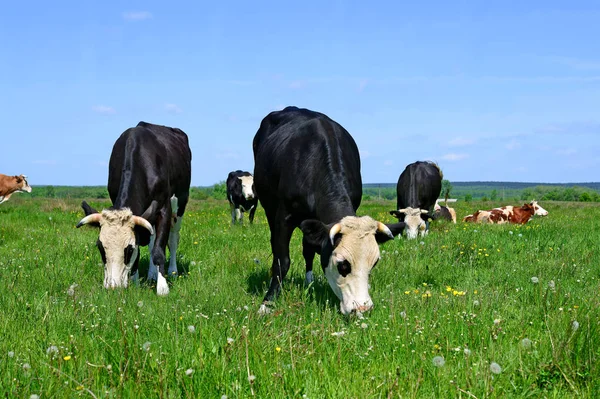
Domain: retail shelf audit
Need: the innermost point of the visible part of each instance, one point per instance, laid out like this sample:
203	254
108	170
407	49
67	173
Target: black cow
241	195
307	175
148	182
418	188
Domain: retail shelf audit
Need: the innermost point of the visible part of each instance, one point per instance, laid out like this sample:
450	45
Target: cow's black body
149	164
419	186
235	196
307	166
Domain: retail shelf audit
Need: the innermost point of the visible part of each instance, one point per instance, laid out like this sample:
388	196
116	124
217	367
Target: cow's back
153	160
306	160
419	186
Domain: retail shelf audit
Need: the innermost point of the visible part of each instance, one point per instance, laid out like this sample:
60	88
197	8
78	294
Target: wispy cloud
513	145
103	109
567	151
137	15
47	162
388	162
362	85
577	63
173	108
571	128
454	156
297	84
461	142
364	154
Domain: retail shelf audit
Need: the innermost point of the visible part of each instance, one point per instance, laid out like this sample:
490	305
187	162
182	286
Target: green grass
462	287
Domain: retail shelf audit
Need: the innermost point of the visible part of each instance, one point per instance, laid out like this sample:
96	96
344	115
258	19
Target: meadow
470	311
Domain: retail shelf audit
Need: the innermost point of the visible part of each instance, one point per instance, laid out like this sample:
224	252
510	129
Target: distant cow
507	214
307	175
12	184
241	195
418	188
148	182
444	212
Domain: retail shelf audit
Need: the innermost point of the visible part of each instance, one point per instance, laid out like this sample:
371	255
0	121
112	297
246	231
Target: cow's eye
102	252
128	254
344	268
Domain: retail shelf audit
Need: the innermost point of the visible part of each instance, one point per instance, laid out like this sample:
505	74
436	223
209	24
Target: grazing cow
444	212
507	214
418	188
307	175
12	184
148	182
241	195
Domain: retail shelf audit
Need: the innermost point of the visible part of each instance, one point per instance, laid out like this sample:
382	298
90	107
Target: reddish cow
12	184
507	214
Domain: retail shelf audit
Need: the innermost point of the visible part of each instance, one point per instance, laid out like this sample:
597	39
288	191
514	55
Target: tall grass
523	297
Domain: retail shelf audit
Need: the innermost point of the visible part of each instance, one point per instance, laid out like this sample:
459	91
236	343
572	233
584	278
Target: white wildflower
495	368
140	304
403	314
338	334
189	372
191	329
146	346
476	303
551	285
363	325
526	343
438	361
52	350
230	340
26	366
575	325
251	378
535	280
467	352
71	290
34	396
11	354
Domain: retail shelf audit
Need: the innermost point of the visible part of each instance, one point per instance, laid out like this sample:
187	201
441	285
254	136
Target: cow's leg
5	198
173	244
241	217
309	256
238	214
152	272
163	225
281	233
232	212
251	214
135	271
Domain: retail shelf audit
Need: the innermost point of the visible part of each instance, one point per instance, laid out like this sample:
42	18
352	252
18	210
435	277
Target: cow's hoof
264	310
162	288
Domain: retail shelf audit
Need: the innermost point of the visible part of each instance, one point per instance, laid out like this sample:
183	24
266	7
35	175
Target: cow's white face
247	182
538	209
351	261
118	246
414	223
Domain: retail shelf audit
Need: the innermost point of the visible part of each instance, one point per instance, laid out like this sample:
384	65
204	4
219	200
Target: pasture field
470	311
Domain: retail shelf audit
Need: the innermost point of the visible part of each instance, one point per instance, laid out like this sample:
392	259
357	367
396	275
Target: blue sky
505	92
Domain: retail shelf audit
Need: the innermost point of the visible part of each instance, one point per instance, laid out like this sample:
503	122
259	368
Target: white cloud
513	145
173	108
388	163
454	157
103	109
137	15
461	142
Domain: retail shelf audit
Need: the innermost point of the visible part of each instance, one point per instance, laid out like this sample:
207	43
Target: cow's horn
140	221
424	211
382	228
92	218
334	230
402	210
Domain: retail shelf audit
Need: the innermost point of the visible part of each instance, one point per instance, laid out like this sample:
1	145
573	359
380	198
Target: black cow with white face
241	195
149	177
307	175
418	188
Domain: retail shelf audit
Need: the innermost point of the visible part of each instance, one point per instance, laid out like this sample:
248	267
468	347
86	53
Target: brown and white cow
507	214
12	184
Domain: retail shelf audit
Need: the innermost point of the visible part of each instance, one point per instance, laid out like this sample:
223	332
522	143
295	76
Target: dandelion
193	263
71	290
11	354
422	243
251	378
224	397
189	372
34	396
407	292
278	349
191	329
140	304
551	285
438	361
510	232
520	235
535	280
52	350
363	325
526	343
26	366
575	325
495	368
497	322
403	314
476	303
109	367
230	340
448	288
67	358
146	346
467	352
338	334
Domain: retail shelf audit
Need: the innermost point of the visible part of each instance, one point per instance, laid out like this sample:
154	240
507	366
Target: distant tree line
480	191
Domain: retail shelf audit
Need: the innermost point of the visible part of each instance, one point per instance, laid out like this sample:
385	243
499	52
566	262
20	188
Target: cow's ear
395	228
19	179
88	210
395	213
315	232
